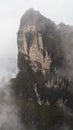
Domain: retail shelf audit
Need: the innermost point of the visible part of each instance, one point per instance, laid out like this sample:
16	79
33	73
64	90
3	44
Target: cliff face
44	58
39	43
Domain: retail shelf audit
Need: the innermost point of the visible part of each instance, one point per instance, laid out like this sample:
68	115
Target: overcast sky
12	10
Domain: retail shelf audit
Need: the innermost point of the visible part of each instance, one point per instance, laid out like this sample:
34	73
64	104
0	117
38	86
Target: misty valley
40	97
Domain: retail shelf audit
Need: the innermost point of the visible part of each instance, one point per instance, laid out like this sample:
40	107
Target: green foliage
39	117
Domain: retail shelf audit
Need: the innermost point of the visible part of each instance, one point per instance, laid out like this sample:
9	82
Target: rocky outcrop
41	60
39	43
42	55
43	85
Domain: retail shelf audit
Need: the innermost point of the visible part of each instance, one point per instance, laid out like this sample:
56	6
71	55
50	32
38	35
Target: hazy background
10	14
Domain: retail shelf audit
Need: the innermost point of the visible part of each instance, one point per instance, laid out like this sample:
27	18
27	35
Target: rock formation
43	85
42	55
39	42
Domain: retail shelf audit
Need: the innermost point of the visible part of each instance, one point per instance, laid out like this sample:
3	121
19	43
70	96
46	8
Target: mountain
43	57
43	85
39	42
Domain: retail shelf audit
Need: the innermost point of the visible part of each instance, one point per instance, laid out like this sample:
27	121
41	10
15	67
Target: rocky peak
41	55
30	17
38	42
